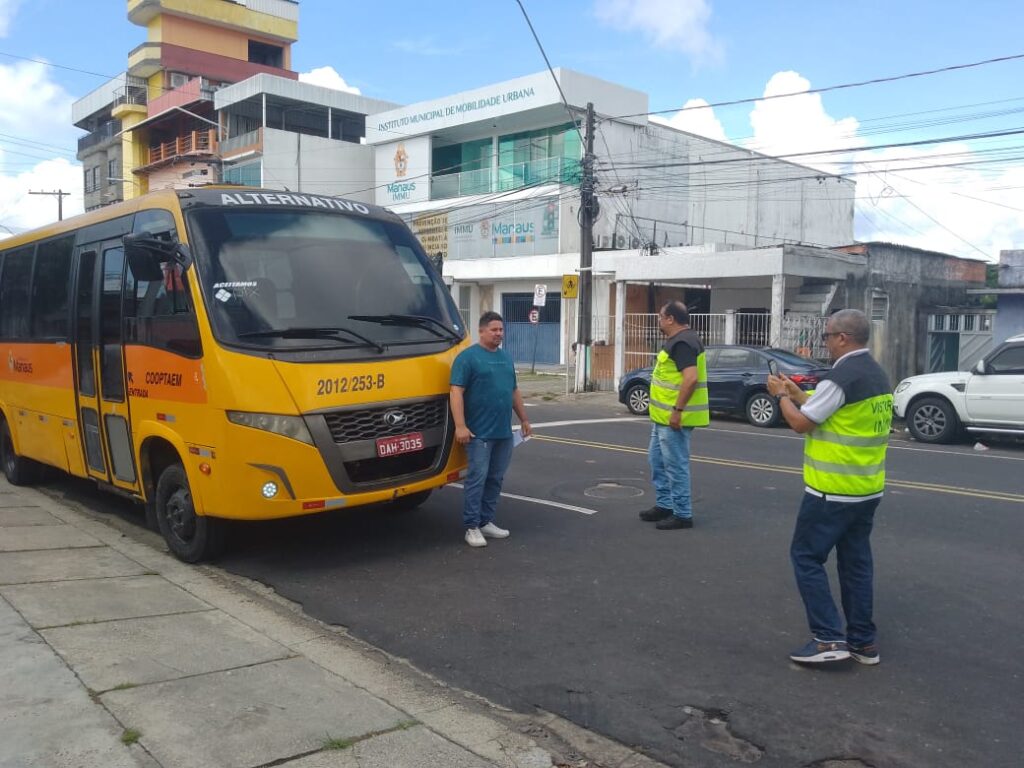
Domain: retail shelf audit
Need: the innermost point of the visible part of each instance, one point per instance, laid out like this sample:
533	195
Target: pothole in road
710	729
613	490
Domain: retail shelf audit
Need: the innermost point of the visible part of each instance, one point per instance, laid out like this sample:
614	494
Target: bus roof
214	195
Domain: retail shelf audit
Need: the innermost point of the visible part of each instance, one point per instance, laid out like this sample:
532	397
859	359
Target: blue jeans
488	460
669	457
821	527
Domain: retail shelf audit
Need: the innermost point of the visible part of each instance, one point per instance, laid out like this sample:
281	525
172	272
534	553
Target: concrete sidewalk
115	654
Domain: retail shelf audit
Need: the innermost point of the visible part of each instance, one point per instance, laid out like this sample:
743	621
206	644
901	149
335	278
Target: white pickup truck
938	407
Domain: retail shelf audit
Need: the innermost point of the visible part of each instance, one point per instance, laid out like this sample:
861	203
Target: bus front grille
386	421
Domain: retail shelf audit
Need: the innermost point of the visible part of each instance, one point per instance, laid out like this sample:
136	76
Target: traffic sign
540	295
570	286
534	315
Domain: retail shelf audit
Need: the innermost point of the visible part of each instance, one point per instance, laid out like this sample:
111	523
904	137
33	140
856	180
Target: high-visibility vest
665	382
845	455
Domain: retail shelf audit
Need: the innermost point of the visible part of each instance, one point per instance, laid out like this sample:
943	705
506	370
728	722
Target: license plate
393	446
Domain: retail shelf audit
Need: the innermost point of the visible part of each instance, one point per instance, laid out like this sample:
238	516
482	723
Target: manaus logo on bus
18	366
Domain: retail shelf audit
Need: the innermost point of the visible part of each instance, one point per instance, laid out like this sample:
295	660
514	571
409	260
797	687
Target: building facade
156	123
489	179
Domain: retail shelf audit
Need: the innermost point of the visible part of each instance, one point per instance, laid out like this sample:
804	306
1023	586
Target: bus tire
17	469
191	537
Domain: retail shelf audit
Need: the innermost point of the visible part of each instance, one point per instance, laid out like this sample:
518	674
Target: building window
247	175
879	306
113	170
85	180
96	178
265	54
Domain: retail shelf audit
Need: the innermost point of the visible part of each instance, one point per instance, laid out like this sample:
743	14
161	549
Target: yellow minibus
229	353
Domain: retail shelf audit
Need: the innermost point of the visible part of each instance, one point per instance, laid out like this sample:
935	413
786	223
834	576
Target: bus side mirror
145	254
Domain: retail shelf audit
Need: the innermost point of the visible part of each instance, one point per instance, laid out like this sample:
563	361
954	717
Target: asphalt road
676	641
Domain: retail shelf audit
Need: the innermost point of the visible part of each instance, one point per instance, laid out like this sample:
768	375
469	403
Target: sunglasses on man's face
826	334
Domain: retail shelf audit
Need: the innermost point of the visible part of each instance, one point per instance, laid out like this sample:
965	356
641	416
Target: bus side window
50	289
160	313
14	298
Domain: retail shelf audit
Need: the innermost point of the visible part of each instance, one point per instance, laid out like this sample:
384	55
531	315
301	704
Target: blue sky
675	50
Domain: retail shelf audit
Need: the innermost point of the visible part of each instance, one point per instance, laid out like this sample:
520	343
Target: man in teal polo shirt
483	395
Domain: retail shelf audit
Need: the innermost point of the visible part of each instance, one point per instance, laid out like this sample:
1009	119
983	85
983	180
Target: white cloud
8	9
676	24
37	113
970	210
20	211
31	104
327	77
695	117
800	124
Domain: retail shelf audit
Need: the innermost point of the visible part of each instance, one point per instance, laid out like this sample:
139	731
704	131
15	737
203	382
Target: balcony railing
103	134
194	143
130	94
553	170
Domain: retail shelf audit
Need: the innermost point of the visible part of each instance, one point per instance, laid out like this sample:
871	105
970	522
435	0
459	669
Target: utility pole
588	206
60	194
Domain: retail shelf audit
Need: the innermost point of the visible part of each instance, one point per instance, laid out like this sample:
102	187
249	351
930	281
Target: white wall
704	191
326	166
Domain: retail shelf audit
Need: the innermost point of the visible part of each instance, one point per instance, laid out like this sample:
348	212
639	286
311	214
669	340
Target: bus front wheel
191	537
17	469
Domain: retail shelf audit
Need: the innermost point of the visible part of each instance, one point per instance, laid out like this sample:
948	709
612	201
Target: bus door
99	355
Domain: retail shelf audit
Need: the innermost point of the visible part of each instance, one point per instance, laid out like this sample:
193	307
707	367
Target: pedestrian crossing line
889	483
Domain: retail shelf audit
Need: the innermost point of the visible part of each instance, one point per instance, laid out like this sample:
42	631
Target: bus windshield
282	279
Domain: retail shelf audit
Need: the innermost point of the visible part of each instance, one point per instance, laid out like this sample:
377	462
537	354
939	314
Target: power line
558	85
873	81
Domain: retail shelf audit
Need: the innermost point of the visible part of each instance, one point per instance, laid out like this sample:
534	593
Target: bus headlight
289	426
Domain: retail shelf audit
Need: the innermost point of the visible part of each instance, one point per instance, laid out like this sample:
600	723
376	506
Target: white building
490	179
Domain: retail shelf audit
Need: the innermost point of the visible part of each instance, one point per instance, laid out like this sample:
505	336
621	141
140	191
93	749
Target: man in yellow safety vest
846	425
679	402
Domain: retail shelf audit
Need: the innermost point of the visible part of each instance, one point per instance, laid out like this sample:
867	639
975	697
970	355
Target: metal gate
525	341
957	340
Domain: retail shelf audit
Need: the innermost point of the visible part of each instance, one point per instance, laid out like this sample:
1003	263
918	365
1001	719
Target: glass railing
553	170
460	184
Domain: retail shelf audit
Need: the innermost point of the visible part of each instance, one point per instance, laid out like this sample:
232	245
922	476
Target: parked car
939	407
737	381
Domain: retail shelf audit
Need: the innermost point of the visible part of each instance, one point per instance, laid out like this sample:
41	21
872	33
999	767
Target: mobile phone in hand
773	368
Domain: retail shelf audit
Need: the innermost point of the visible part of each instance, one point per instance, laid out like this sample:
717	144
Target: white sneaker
474	538
491	531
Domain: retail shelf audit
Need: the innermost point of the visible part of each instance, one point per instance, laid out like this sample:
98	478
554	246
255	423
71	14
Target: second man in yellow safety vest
679	402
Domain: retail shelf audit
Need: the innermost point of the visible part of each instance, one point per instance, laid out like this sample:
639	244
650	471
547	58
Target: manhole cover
613	491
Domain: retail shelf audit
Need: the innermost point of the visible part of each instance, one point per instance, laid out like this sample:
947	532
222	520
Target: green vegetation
130	736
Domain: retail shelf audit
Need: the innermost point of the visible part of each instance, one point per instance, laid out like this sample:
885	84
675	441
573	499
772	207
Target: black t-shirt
683	348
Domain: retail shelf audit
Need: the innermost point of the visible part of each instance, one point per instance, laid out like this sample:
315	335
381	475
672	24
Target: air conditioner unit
620	241
634	243
605	241
179	79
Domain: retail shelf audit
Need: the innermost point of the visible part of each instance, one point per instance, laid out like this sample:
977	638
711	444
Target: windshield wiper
418	321
326	332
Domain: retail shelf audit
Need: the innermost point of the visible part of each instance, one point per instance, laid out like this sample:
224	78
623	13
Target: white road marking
545	502
590	421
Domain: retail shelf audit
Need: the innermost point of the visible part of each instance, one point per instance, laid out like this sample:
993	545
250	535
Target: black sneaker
673	522
821	651
655	513
865	654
